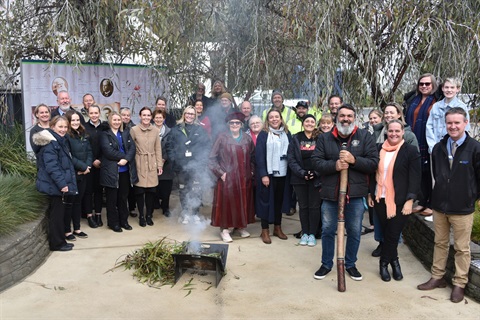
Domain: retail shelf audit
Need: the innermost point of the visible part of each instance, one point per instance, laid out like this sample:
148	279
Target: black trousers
392	228
117	201
95	190
426	187
309	204
74	212
56	227
278	185
164	189
145	199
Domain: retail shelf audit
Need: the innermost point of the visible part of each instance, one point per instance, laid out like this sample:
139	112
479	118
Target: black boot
98	220
141	220
149	220
91	222
396	270
378	251
384	274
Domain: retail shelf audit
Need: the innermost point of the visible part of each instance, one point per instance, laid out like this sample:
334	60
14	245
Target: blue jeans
354	211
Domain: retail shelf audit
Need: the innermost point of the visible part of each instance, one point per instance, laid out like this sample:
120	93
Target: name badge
188	154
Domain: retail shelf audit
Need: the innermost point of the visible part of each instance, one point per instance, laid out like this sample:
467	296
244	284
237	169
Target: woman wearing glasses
191	144
232	162
418	111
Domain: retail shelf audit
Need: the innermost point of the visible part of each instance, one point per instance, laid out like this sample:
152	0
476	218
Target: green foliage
13	157
153	264
20	202
476	226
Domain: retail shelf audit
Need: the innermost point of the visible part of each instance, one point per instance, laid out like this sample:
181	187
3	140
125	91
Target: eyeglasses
201	89
190	114
235	123
424	84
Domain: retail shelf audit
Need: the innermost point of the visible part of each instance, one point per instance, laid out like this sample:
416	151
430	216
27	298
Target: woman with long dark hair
418	111
82	158
149	163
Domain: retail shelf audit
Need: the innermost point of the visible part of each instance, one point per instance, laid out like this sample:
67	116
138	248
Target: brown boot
266	236
457	294
277	231
432	284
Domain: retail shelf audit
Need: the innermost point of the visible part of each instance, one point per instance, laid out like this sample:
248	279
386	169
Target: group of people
261	164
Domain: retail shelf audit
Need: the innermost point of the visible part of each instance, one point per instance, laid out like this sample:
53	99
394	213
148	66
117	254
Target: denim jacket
436	127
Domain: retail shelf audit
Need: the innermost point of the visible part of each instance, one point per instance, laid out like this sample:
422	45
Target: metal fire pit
202	256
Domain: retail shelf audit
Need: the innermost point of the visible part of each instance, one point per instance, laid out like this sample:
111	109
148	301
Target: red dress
233	199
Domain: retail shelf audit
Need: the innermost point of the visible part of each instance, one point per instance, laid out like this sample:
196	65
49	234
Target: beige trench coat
148	156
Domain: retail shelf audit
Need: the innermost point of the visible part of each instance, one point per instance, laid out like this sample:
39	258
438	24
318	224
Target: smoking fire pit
203	257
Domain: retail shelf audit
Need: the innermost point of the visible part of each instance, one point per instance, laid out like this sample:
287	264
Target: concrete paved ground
262	282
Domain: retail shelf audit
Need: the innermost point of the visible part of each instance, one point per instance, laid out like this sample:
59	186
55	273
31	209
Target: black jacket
55	167
168	155
407	175
191	145
362	146
456	189
81	151
111	155
94	136
295	163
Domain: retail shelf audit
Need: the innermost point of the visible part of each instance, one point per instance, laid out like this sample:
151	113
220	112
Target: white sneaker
243	233
196	219
185	220
303	240
429	218
225	234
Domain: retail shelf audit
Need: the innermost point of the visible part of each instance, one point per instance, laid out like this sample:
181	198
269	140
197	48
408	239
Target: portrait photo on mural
63	86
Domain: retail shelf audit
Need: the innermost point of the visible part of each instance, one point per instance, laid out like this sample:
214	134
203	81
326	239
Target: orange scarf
388	182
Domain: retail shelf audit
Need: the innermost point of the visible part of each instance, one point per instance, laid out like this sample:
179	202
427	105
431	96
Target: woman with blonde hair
42	115
192	146
118	171
273	189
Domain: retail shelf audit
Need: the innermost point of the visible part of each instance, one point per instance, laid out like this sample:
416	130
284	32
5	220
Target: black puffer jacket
456	189
362	146
111	154
55	167
94	137
81	151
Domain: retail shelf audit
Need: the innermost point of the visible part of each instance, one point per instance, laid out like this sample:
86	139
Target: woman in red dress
232	161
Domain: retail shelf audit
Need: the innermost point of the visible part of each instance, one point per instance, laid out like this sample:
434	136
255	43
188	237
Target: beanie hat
277	92
226	95
309	116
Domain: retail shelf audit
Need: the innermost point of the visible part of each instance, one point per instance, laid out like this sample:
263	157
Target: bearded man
360	157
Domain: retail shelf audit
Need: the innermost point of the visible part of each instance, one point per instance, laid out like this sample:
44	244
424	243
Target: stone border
419	236
23	252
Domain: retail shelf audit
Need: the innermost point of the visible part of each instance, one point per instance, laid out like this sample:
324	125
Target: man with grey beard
64	105
345	147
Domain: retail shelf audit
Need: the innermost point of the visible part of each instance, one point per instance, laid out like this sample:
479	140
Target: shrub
20	202
13	157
